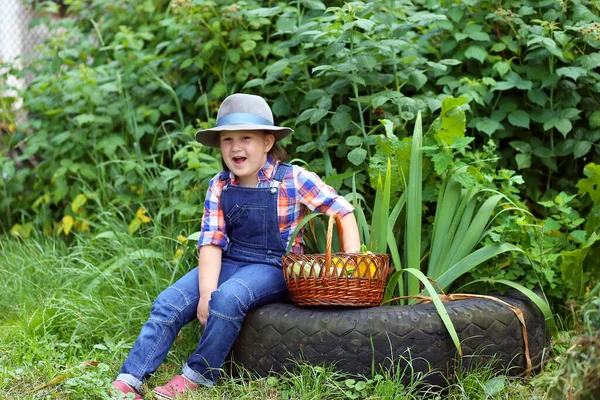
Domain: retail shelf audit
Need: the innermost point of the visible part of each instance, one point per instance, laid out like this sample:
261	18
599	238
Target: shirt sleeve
213	221
318	196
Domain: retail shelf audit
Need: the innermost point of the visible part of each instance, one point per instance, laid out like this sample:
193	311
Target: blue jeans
242	287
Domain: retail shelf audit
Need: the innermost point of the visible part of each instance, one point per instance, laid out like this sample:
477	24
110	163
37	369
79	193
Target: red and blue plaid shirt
299	190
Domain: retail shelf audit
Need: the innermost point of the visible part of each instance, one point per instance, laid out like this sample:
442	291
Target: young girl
250	212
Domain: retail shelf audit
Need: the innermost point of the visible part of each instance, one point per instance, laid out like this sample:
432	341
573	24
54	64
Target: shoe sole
161	396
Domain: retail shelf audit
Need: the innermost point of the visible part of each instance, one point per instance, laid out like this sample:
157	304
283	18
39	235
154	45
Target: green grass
72	311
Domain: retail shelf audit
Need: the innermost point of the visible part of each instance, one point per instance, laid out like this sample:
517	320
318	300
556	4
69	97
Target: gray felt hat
240	112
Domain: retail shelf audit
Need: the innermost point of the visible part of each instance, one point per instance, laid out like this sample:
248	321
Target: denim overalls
250	276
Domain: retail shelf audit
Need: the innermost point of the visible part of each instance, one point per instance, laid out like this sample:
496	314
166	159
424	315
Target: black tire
353	338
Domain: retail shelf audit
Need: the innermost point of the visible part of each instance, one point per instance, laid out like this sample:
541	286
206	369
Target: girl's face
245	153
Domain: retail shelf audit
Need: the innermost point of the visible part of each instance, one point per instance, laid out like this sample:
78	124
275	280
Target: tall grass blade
395	280
462	230
474	234
443	262
414	206
143	254
393	247
395	213
305	220
439	306
448	198
472	260
384	224
381	212
169	89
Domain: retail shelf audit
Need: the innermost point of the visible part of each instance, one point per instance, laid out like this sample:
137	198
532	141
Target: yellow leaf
15	230
84	227
178	253
79	202
53	382
23	231
140	191
182	239
134	225
141	215
45	198
67	224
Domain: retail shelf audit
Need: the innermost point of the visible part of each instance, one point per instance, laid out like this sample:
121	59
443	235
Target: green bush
121	87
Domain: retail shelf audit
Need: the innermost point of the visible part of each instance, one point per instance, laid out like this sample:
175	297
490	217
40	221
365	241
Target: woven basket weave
338	279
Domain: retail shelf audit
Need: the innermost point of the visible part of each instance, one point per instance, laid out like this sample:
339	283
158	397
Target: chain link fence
18	43
17	39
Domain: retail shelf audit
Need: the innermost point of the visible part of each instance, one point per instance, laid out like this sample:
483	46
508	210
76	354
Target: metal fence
17	39
18	43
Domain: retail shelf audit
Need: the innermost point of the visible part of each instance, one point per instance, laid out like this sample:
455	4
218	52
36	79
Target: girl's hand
202	311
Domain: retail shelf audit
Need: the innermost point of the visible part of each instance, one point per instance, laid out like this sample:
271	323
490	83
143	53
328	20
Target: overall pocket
246	225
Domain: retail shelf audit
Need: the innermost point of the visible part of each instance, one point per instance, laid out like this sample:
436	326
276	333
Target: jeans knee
230	301
169	305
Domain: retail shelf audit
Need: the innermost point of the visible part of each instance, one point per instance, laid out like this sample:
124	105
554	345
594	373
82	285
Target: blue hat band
243	118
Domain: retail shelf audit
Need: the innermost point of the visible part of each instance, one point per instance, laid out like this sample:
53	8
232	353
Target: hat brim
210	137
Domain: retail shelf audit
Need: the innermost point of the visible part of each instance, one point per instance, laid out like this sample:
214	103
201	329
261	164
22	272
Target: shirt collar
267	172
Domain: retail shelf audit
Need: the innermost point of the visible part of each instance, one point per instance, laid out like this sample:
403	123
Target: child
250	211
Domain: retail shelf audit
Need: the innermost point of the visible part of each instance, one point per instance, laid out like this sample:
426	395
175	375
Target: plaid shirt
299	190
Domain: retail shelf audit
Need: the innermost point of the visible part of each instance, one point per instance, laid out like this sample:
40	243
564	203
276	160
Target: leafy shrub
121	87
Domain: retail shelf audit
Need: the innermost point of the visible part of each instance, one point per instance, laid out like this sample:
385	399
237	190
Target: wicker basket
338	279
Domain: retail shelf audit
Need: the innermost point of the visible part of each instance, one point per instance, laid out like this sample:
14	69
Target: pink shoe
124	388
178	386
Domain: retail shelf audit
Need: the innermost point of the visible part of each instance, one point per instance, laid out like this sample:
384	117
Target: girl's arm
209	268
350	235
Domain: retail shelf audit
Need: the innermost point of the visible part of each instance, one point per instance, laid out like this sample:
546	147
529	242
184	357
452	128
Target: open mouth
239	160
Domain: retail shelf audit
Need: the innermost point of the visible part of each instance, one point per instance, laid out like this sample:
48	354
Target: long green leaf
448	199
395	213
394	251
305	220
443	263
142	254
377	217
397	263
535	298
171	91
439	305
381	212
472	260
393	246
436	244
390	288
385	210
414	206
462	230
474	233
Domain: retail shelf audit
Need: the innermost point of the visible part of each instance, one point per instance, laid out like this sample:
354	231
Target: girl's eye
246	138
227	139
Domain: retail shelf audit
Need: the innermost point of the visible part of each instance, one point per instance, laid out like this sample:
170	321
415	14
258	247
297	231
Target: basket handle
333	218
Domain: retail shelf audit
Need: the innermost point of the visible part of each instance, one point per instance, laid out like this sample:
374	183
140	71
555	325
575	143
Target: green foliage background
121	87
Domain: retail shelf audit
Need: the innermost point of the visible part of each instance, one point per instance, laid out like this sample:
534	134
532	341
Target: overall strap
282	169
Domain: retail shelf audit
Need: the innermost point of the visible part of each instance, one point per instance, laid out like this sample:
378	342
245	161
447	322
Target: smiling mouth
238	160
